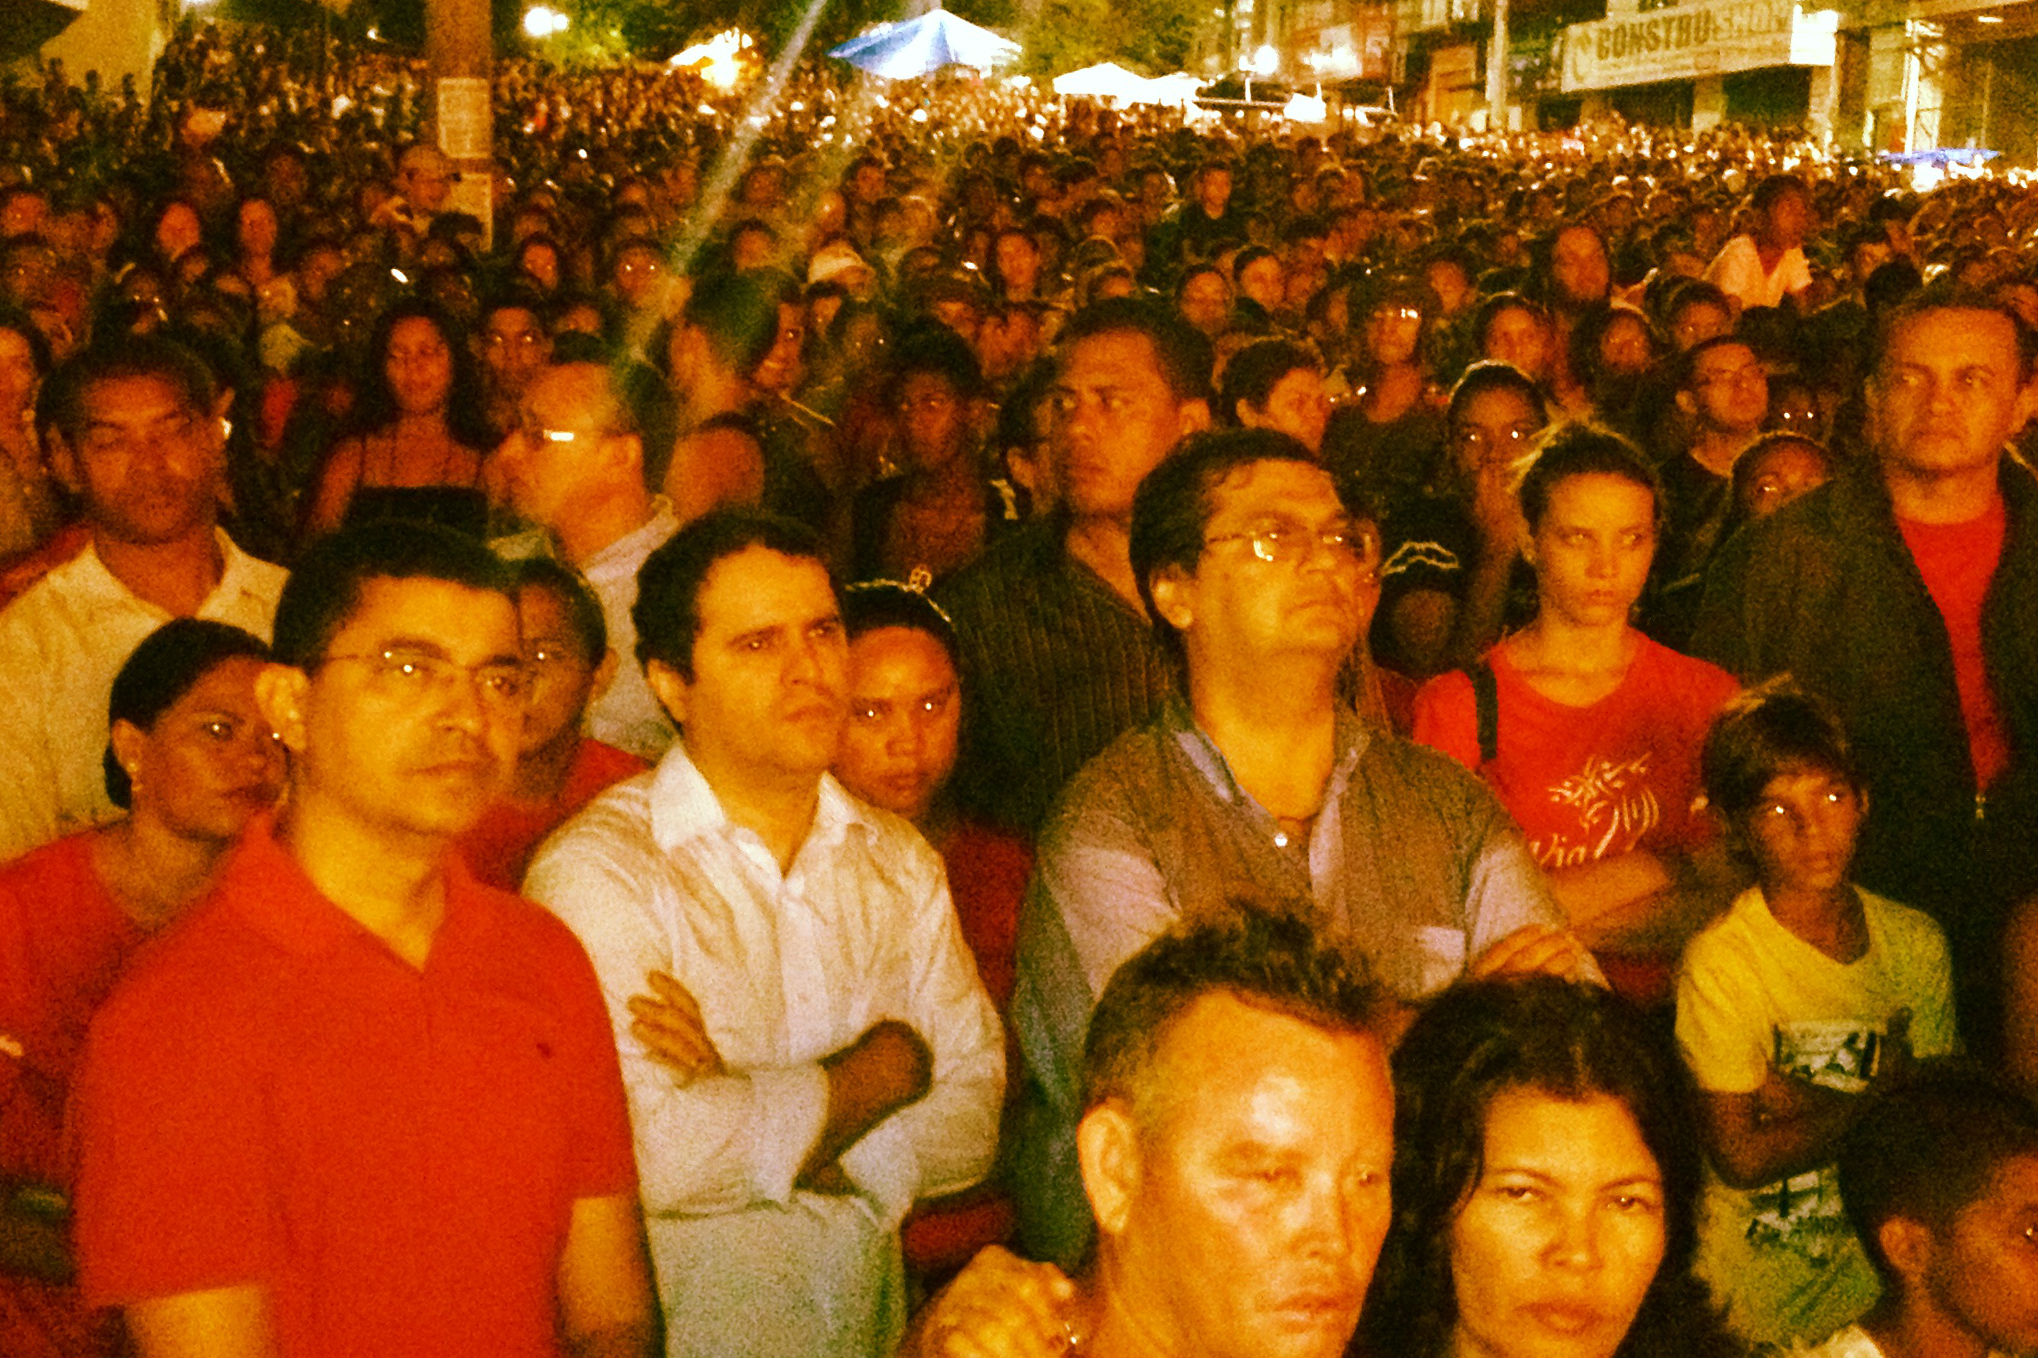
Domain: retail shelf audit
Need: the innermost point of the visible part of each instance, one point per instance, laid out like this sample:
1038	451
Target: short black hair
1584	450
78	376
1184	355
1257	369
1928	1148
1686	371
739	315
870	605
1772	729
168	664
1490	374
326	586
570	587
933	349
667	613
1271	957
1491	309
1776	187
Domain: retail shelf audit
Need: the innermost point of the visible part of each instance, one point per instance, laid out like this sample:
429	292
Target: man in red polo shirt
358	1103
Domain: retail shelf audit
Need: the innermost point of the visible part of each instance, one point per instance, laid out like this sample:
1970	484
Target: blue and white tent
923	45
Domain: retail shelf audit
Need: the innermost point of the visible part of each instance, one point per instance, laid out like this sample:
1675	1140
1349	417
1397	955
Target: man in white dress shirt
837	1057
140	442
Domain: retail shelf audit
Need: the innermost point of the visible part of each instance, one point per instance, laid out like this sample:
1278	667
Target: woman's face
904	715
541	265
1018	260
1555	1247
1490	431
210	761
1393	332
419	366
1593	547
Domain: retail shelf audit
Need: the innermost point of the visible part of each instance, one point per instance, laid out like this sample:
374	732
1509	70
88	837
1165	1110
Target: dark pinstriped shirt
1055	667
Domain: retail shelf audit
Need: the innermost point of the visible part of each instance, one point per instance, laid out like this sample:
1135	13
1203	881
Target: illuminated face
1490	431
419	365
1579	267
1730	389
209	763
1206	302
905	711
1518	336
147	464
1949	394
1115	418
1553	1251
562	673
1259	1195
1802	830
1983	1272
1593	548
1297	406
514	346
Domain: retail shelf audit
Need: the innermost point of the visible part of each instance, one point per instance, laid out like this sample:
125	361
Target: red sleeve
604	1162
173	1154
1447	719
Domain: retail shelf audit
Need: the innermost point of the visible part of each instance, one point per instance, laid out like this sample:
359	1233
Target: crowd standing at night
914	717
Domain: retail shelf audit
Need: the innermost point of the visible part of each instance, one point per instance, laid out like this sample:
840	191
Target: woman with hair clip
1545	1186
192	761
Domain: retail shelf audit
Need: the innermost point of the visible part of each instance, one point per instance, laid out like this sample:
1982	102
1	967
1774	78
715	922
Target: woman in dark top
418	444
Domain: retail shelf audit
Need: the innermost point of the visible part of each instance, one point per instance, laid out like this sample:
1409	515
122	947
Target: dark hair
1943	295
1749	463
1171	508
933	349
1183	355
1693	292
1196	270
1772	729
1490	309
570	587
870	605
168	664
14	318
667	611
739	315
1257	369
325	587
1928	1148
1246	258
377	407
1584	450
1490	374
1271	958
1573	1042
63	400
1776	187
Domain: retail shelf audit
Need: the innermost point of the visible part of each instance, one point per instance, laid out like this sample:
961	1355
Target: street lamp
542	21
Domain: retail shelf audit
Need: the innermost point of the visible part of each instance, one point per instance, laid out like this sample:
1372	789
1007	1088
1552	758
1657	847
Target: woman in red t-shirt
1594	732
192	760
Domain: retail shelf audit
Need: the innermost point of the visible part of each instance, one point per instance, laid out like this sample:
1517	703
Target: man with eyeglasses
1723	402
1259	779
140	441
360	1103
816	1052
574	466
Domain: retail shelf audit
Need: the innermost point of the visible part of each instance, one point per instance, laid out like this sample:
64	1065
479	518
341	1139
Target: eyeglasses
421	674
1290	543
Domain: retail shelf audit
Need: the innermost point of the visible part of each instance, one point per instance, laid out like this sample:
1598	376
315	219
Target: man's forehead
1971	330
1290	486
512	320
456	617
143	396
761	588
1114	357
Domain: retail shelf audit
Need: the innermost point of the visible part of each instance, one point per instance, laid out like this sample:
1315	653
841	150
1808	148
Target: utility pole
1496	70
460	59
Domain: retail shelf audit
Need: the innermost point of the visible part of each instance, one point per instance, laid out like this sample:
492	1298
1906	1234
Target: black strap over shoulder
1485	709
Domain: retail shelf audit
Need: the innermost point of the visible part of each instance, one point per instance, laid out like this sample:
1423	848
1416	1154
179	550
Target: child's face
1802	831
1984	1270
1787	470
562	674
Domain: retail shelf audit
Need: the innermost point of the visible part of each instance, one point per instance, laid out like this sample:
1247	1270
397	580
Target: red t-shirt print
1958	560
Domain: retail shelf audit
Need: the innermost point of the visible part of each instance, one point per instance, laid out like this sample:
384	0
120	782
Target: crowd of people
910	717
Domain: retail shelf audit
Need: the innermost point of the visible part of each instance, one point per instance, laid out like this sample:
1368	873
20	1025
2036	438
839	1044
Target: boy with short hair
1808	993
1940	1178
559	767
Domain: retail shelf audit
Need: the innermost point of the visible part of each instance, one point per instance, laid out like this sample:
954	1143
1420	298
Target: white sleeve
711	1146
948	1139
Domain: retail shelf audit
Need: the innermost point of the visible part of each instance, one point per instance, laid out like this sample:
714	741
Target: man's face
551	459
1297	406
147	462
1949	394
563	676
1579	268
1239	608
1983	1272
1206	302
514	346
1257	1199
1114	419
425	182
1265	281
933	420
410	721
769	693
1730	389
